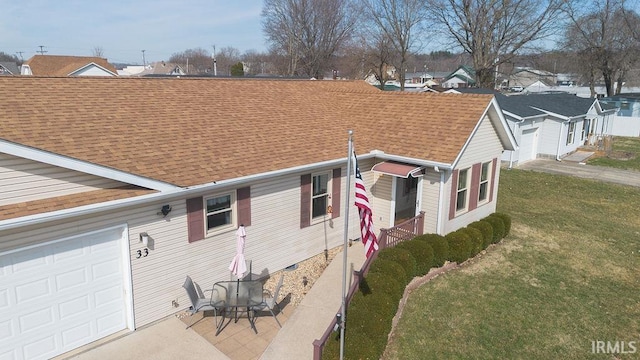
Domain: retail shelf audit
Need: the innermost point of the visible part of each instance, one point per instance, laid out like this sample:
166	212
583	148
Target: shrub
389	267
506	219
498	227
381	283
402	257
368	327
422	252
477	239
439	245
459	246
487	232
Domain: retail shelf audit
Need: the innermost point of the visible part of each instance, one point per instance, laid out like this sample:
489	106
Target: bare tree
603	36
98	51
308	32
398	23
226	57
196	61
494	31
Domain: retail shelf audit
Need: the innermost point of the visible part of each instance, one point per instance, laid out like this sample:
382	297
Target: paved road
601	173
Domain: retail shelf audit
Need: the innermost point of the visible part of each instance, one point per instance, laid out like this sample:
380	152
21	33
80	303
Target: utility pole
215	62
144	63
20	53
41	51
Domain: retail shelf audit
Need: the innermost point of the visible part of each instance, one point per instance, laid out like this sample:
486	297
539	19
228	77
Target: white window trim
487	181
467	188
571	129
319	219
234	214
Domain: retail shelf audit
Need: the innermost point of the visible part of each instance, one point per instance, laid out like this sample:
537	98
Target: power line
41	51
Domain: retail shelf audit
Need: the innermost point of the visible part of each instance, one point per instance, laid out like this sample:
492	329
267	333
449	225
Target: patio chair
200	303
270	301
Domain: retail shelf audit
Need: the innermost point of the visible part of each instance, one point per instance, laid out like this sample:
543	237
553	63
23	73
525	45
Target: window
571	132
483	191
220	212
585	129
463	190
319	194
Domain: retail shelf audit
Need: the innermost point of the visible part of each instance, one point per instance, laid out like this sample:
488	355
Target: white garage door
61	295
528	145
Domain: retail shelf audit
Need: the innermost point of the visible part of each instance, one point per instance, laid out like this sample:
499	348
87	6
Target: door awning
398	169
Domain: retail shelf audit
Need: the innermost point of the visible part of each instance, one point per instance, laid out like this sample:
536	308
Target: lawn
565	278
625	154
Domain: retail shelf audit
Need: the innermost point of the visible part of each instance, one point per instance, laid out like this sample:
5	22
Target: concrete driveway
601	173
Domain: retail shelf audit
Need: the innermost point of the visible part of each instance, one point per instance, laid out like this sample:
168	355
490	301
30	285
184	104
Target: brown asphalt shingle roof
189	131
59	65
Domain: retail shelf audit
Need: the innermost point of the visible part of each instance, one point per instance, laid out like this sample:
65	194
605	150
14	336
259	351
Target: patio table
240	296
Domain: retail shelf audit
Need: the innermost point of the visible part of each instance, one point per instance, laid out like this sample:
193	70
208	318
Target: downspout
440	201
560	142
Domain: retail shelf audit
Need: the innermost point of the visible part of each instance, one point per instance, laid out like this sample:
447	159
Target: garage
528	145
63	294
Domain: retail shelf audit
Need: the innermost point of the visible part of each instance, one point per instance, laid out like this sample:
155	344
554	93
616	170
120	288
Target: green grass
567	275
624	147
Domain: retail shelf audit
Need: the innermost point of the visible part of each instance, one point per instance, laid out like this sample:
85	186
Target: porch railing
388	238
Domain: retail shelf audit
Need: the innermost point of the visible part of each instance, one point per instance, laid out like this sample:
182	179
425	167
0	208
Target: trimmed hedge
498	227
506	219
389	267
439	245
422	252
459	246
402	257
381	283
487	232
477	239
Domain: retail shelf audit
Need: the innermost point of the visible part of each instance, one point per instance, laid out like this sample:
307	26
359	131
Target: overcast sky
124	28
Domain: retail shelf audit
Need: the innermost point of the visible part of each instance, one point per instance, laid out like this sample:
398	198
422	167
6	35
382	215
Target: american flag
366	218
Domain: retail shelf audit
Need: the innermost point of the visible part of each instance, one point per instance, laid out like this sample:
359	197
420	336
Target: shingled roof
567	105
195	131
59	65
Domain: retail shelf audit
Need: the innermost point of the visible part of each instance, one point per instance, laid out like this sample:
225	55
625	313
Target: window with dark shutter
494	164
454	194
244	206
335	193
305	200
475	186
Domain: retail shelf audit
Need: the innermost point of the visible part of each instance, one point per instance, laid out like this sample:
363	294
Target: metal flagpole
342	319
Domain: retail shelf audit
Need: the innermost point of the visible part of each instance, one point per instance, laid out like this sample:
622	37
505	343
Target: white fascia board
563	117
383	156
93	64
82	166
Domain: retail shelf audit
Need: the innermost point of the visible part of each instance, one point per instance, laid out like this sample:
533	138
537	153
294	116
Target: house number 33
142	253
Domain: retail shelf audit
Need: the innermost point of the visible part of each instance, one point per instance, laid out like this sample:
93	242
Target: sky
122	29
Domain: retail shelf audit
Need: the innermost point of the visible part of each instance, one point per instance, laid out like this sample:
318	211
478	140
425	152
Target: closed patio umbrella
238	265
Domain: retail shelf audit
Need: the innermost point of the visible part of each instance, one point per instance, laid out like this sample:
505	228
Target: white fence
626	126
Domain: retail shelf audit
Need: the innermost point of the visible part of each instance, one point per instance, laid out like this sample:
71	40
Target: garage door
61	295
528	145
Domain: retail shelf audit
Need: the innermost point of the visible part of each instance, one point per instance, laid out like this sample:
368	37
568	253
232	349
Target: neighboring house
58	65
162	68
527	77
463	77
553	125
9	68
90	167
627	122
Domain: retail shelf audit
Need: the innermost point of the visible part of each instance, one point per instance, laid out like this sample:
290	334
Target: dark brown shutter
195	219
335	193
305	200
244	206
494	163
475	186
454	194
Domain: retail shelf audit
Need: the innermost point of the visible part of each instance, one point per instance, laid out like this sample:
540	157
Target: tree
398	22
237	69
9	58
196	61
603	36
226	57
98	51
494	31
308	33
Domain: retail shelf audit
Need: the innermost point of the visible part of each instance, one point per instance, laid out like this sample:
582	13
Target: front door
406	199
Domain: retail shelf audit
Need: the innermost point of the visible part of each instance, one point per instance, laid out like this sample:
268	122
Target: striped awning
398	169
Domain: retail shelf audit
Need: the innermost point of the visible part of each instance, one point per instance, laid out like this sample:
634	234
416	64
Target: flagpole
345	246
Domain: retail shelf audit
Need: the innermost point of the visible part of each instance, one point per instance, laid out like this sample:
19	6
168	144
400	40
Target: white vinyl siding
381	192
484	146
23	180
430	199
